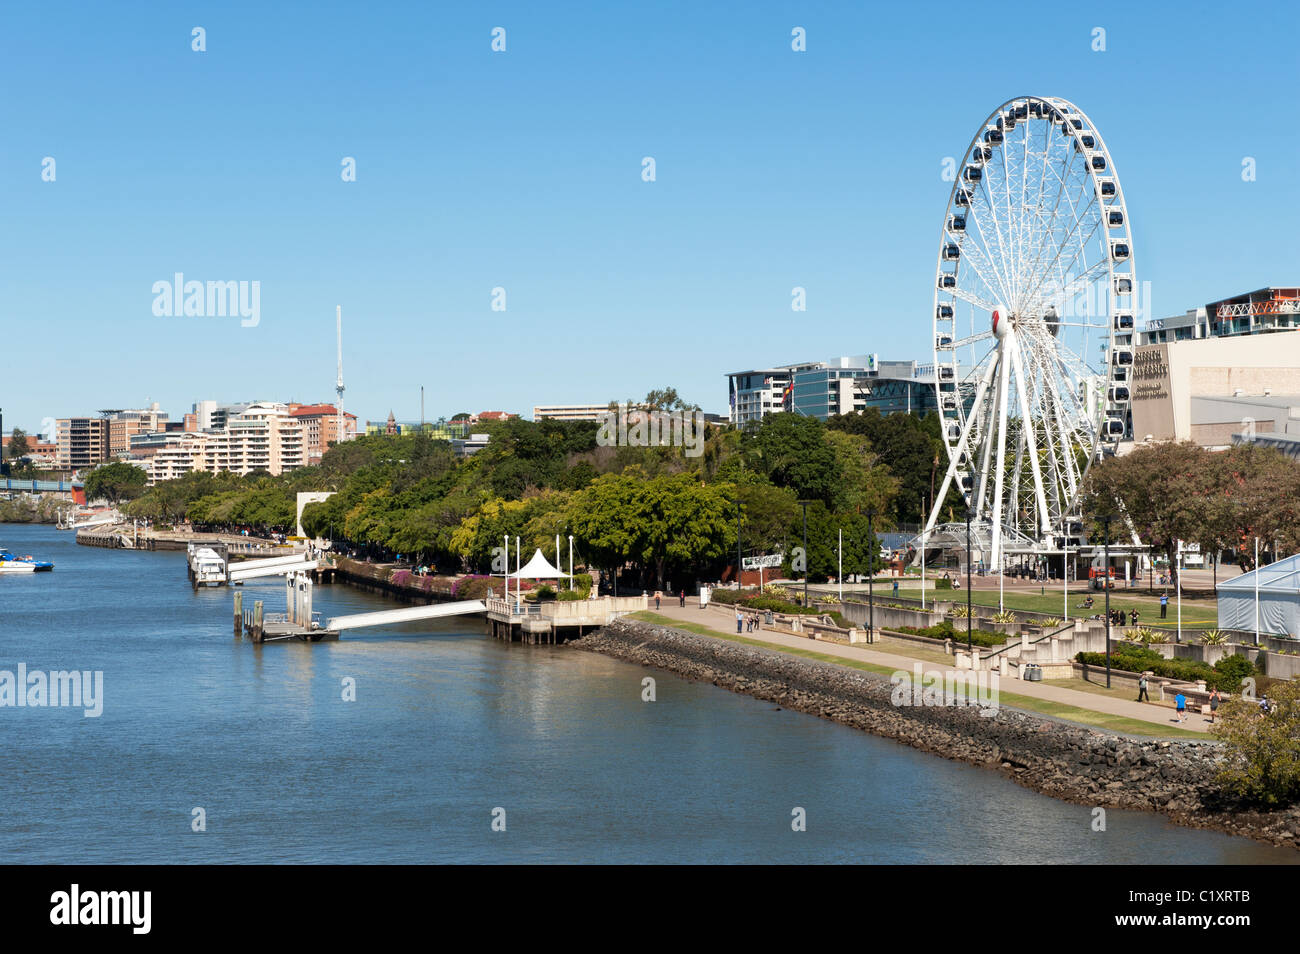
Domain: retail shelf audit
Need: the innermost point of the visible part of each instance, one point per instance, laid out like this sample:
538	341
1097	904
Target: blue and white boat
24	564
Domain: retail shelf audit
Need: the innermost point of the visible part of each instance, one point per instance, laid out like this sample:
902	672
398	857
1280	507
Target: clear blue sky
523	170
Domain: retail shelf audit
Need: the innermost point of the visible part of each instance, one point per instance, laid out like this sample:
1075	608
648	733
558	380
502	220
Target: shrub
1235	668
1049	621
400	577
960	612
1214	637
945	583
544	592
1148	636
946	630
1261	752
475	587
1004	616
1128	657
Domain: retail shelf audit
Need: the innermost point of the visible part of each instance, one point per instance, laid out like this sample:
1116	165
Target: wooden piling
257	621
239	613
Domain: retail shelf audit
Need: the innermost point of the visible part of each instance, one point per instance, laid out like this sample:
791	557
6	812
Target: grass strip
1119	725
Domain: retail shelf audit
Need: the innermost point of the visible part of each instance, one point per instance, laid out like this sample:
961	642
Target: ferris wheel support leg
986	452
937	505
1004	367
1043	522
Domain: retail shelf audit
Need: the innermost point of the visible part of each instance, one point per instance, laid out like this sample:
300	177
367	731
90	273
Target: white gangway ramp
272	566
406	615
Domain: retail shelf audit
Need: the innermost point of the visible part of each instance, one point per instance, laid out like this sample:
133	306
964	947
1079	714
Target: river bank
1173	778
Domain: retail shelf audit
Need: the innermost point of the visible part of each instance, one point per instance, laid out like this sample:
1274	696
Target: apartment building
321	428
176	456
264	436
83	442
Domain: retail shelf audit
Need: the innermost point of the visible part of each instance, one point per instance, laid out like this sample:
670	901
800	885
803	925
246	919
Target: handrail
1032	642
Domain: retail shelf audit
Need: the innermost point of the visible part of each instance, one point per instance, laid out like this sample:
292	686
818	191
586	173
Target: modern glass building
845	385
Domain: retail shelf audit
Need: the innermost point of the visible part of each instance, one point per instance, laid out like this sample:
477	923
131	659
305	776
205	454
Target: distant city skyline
522	171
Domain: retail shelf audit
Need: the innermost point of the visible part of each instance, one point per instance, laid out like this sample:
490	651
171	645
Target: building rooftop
312	410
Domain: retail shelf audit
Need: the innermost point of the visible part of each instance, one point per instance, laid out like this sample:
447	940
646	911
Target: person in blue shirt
1164	605
1180	703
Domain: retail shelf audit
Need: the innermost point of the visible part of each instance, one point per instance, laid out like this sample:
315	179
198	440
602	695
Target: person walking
658	596
1180	703
896	589
740	619
1214	704
1142	689
682	599
1164	605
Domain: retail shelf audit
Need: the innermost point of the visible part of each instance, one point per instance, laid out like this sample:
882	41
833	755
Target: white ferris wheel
1033	323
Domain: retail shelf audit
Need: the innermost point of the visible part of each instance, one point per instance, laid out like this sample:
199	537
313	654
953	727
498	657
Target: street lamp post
871	576
969	605
1065	573
804	504
1105	581
839	568
1257	591
1178	634
738	571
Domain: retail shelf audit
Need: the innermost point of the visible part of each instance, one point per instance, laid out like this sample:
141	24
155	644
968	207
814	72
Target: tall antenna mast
338	387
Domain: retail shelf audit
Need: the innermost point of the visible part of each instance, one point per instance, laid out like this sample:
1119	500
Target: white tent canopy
538	568
1279	599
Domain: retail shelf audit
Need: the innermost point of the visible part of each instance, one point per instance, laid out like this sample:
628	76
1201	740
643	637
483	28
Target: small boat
24	564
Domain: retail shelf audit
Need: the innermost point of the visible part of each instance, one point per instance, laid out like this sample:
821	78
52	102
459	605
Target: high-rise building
83	442
176	456
123	425
204	411
320	428
264	436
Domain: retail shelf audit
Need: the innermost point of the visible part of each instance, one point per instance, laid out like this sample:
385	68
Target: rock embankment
1059	759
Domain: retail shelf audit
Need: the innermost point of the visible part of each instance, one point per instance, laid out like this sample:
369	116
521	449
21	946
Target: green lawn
1120	725
1197	614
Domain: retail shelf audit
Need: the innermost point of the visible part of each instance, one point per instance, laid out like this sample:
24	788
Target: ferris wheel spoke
1064	241
978	259
973	299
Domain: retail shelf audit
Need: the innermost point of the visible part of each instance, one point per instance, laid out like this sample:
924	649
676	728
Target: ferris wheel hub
1001	322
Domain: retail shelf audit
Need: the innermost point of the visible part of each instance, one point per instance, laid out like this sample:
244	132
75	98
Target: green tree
1255	493
767	515
115	482
864	483
682	524
792	450
1161	490
1261	752
914	451
18	445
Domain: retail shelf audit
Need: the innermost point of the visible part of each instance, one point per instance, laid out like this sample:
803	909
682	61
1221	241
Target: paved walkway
722	620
